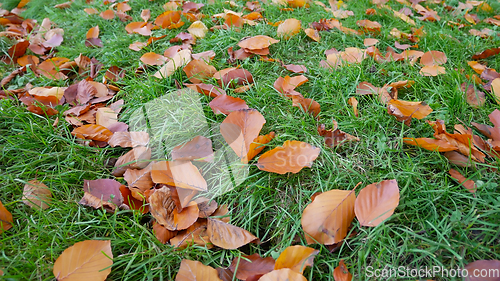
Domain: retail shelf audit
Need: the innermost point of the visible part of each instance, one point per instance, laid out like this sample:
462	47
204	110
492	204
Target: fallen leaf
289	28
291	157
258	145
198	70
335	137
296	258
198	29
480	267
240	129
196	271
37	195
206	89
257	42
194	235
376	202
328	217
92	132
153	59
106	117
224	104
432	70
284	274
178	173
86	260
431	144
102	193
486	53
180	59
91	11
404	111
235	77
295	68
474	97
129	139
433	58
341	273
93	32
354	103
248	266
139	181
370	42
107	15
163	209
132	202
6	219
198	149
228	236
313	34
137	158
307	105
469	184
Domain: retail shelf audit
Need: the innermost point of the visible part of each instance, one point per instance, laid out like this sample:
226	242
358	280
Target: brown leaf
370	26
129	139
335	137
132	202
107	15
163	209
139	181
248	266
295	68
354	103
236	77
291	157
145	14
289	28
137	158
433	58
224	104
240	129
376	202
327	218
495	89
196	234
92	132
474	97
257	42
196	271
91	11
404	111
153	59
458	159
102	192
178	173
198	70
258	145
18	49
469	184
486	53
163	234
6	219
432	70
431	144
287	84
207	208
307	105
370	42
341	273
106	117
313	34
228	236
93	32
37	195
198	149
86	260
296	258
283	274
480	267
206	89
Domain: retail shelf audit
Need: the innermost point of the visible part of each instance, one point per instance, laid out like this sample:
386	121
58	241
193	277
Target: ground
437	223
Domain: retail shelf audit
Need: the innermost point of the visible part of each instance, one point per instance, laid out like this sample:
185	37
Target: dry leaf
469	184
433	70
404	111
129	139
137	158
295	68
257	42
327	218
289	28
370	42
341	273
291	157
297	258
178	173
248	266
198	70
198	149
258	145
198	29
431	144
6	219
37	195
224	104
196	271
433	58
180	59
376	202
284	274
163	234
86	260
228	236
354	103
313	34
92	132
153	59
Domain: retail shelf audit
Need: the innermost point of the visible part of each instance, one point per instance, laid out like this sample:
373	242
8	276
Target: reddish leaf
198	70
469	184
291	157
341	273
228	236
236	77
132	202
486	53
295	68
102	193
92	132
296	258
335	137
139	181
240	129
107	15
327	218
198	149
474	97
248	266
376	202
6	219
431	144
137	158
129	139
196	271
163	209
37	195
224	104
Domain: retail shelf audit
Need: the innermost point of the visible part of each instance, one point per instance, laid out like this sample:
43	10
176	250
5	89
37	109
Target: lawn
438	222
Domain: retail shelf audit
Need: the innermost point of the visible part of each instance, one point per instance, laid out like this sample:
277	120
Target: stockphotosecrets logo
177	118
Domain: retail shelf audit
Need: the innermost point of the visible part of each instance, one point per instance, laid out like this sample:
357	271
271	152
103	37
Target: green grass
437	223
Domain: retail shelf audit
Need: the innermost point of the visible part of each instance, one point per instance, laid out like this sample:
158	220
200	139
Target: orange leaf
258	145
178	173
431	144
404	111
93	32
198	70
341	273
28	59
291	157
153	59
91	11
433	58
134	26
335	137
289	28
432	70
163	209
5	219
139	181
37	195
194	235
328	217
107	15
376	202
198	149
137	158
354	103
283	274
86	260
248	266
240	129
224	104
145	14
162	234
469	184
297	258
307	105
228	236
168	18
370	42
196	271
92	132
132	202
257	42
313	34
371	26
295	68
129	139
